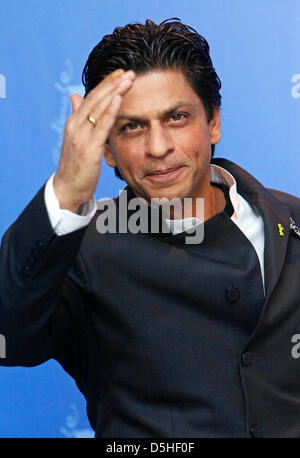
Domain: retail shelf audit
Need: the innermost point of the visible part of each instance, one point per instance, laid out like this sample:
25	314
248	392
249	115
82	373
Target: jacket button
34	253
232	294
30	261
256	431
37	251
25	270
39	245
247	359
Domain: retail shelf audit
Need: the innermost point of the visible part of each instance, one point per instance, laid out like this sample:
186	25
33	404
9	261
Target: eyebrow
163	114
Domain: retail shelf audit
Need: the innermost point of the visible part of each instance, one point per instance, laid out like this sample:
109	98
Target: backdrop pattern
255	46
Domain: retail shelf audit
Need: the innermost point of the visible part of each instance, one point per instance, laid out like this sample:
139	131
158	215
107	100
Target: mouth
164	175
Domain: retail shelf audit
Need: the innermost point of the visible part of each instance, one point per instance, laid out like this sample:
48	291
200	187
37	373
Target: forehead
157	91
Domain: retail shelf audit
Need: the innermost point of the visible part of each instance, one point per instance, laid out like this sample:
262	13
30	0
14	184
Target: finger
102	88
99	108
101	131
85	129
80	111
109	84
76	101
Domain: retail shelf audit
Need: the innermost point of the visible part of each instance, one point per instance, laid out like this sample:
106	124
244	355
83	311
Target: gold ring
92	120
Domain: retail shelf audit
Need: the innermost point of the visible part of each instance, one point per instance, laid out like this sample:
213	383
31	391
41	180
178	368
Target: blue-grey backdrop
255	46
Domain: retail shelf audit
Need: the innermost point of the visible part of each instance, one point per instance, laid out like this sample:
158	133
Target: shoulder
286	198
249	185
244	178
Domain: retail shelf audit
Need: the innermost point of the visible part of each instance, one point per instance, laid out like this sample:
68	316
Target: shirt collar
220	175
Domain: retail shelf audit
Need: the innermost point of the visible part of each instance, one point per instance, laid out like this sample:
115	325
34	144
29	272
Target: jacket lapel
275	215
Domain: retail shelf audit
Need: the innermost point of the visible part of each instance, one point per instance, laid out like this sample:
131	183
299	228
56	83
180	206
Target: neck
211	202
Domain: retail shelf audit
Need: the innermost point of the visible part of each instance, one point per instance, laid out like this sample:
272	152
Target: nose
159	142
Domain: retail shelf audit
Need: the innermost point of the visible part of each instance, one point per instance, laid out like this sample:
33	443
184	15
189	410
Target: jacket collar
273	212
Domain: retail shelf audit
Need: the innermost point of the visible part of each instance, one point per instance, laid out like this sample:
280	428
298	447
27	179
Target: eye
178	116
130	126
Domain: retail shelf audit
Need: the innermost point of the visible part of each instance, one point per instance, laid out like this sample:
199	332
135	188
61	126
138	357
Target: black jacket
163	339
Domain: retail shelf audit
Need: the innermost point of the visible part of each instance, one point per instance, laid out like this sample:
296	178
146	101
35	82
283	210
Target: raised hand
86	132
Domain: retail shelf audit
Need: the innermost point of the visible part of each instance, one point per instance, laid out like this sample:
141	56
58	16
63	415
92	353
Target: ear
109	157
215	127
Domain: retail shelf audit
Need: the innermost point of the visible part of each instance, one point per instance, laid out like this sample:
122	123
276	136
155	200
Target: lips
163	171
165	177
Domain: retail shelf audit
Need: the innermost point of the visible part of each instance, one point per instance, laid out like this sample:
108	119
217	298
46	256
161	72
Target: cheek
128	159
195	137
193	145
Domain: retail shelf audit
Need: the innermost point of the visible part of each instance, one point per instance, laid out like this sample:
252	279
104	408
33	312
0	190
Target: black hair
147	47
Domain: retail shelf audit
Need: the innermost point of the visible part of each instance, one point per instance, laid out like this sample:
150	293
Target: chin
167	195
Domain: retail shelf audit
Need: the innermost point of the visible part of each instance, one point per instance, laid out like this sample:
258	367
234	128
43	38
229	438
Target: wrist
66	198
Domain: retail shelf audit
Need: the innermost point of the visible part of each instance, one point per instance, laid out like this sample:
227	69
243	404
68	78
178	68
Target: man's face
161	142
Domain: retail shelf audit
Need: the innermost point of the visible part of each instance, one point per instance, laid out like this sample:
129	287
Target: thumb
76	101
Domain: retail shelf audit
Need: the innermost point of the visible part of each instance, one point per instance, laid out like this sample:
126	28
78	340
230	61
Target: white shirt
247	218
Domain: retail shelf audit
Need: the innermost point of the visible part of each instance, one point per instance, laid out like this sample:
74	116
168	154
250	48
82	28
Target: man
164	338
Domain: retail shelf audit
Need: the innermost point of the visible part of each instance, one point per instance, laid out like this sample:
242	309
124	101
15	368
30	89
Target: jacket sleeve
42	288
